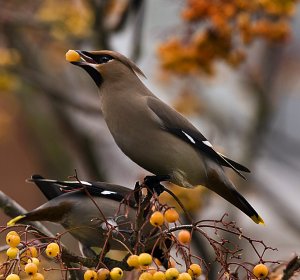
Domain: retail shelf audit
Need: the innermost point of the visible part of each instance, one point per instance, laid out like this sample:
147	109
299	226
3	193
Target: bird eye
104	59
95	58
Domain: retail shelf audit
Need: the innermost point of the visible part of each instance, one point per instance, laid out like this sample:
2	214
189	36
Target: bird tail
219	183
15	220
50	188
40	214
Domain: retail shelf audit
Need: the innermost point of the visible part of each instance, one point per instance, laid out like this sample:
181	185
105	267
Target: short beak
88	64
86	58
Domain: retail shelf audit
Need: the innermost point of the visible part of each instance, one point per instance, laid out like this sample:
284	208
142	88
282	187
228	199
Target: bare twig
12	209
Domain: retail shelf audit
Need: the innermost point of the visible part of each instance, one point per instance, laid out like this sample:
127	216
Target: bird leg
137	193
154	183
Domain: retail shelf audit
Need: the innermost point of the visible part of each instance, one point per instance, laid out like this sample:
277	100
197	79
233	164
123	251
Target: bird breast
140	135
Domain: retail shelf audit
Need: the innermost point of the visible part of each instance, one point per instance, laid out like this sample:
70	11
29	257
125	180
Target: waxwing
154	135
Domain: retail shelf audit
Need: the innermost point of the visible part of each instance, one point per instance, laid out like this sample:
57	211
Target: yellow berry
34	260
172	274
184	276
184	236
13	240
12	277
12	252
157	219
116	273
37	276
31	269
31	252
260	271
103	274
145	259
151	269
133	261
90	275
159	275
52	250
72	55
195	270
146	276
171	215
12	232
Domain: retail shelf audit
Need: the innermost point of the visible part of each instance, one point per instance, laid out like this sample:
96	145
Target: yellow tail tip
13	221
257	219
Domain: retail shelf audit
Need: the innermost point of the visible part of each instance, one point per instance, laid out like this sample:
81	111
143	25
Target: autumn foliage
221	30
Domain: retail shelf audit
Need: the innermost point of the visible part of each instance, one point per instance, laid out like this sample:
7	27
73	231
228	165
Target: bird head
104	65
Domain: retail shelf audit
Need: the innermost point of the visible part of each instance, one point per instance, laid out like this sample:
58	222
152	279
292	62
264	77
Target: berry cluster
147	272
26	257
104	274
220	30
159	247
143	261
13	240
157	219
148	267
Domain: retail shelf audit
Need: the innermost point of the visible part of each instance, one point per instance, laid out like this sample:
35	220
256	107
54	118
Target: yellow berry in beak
72	55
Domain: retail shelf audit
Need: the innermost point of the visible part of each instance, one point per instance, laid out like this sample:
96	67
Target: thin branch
12	209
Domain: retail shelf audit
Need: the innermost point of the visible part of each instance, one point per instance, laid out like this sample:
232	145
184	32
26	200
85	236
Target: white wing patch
189	137
72	182
85	183
207	143
107	192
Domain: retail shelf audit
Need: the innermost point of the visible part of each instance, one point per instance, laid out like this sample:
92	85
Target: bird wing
102	189
178	125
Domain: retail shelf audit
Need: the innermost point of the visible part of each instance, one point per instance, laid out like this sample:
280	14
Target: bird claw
153	183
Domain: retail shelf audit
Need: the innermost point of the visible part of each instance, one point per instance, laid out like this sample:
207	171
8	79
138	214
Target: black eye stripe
98	58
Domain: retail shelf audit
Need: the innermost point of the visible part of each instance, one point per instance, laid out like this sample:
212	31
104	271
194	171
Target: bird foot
154	183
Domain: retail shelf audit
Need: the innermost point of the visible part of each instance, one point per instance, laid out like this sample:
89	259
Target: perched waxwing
88	210
154	135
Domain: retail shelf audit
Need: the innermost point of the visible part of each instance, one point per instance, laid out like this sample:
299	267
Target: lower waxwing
88	210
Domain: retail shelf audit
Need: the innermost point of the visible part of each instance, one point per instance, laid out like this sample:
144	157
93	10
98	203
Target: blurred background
232	67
